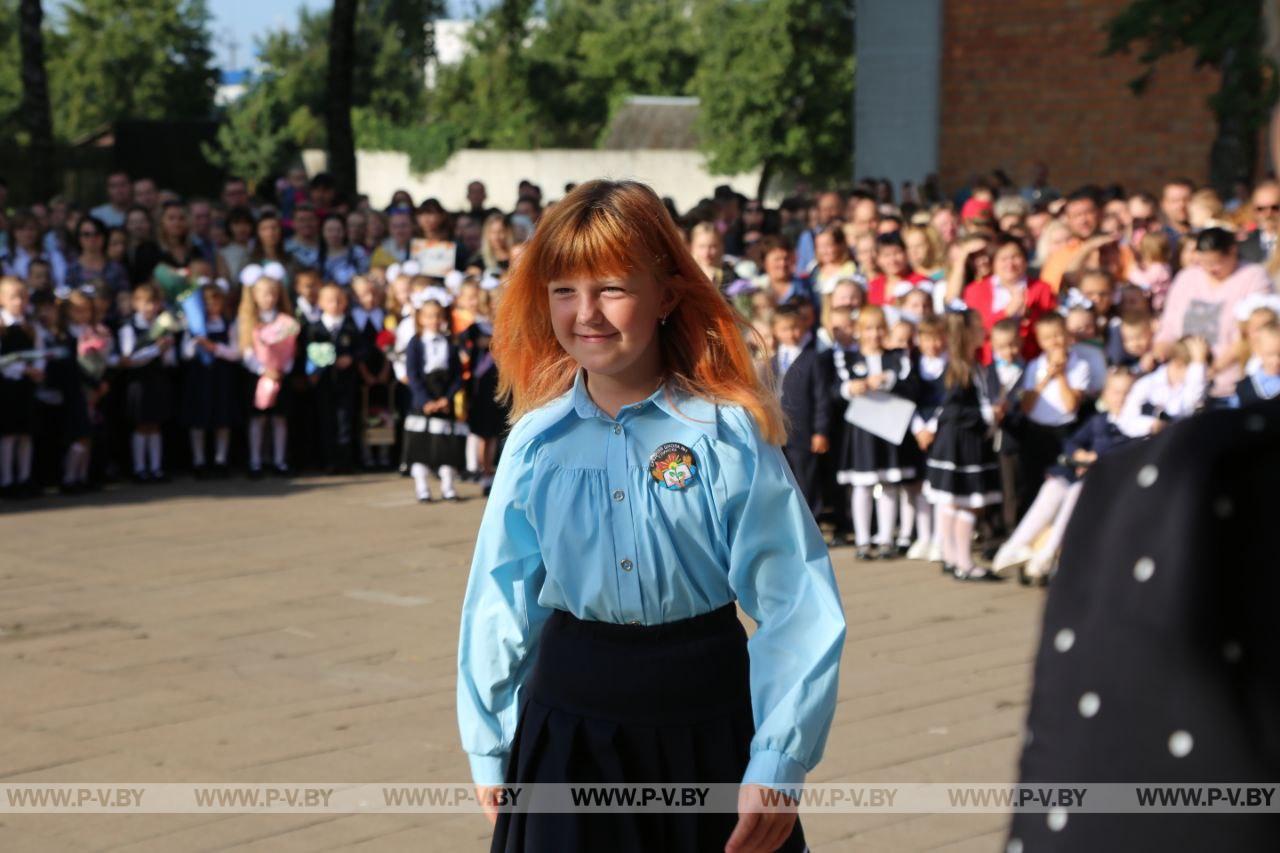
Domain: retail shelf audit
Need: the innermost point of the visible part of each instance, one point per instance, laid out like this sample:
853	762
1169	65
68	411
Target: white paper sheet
881	414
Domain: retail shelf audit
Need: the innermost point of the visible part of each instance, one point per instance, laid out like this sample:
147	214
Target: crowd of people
950	367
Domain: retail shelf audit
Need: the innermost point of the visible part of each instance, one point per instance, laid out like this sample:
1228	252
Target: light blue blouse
576	522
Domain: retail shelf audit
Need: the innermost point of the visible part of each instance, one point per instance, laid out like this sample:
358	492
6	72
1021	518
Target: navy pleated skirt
631	704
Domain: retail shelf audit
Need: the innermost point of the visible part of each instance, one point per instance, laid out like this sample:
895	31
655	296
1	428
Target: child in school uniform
1135	351
915	510
866	459
93	353
1175	390
435	437
642	491
486	414
1004	382
212	385
1263	383
1055	385
962	472
18	381
62	413
370	319
804	387
838	359
148	356
267	336
1029	548
304	443
332	348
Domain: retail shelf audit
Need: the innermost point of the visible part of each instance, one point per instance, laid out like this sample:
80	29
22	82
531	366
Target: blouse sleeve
780	570
501	618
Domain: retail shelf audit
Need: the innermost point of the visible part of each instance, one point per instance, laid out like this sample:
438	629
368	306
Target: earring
664	319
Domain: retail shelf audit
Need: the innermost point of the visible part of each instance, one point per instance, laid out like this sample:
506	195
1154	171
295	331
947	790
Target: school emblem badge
673	465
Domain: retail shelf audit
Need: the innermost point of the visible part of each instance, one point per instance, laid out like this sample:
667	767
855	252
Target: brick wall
1022	81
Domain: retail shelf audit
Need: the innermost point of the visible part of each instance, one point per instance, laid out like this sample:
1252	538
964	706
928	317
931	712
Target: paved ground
305	631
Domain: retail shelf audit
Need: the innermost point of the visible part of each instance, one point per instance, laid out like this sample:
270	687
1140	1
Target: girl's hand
487	795
1198	348
875	381
924	438
857	387
758	830
819	444
343	362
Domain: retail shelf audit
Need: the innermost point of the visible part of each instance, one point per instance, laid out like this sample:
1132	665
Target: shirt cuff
488	769
777	770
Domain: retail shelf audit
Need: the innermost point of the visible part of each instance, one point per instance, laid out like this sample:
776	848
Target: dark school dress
1159	658
962	468
681	711
17	396
486	416
336	390
62	374
865	458
434	371
212	391
148	387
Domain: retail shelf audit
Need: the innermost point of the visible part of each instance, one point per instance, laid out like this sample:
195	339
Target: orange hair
614	228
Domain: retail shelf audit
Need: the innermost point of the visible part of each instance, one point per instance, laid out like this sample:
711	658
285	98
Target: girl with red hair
642	492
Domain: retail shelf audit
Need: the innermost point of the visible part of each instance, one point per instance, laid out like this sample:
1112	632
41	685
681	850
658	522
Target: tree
342	49
35	97
776	83
1224	36
116	59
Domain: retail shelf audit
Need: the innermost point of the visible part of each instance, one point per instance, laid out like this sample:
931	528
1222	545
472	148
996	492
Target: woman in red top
1007	293
891	260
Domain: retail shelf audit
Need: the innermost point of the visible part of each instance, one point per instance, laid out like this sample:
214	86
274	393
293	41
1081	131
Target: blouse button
617	429
618	494
626	565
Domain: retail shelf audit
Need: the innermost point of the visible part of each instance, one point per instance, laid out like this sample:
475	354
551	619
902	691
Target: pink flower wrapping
274	344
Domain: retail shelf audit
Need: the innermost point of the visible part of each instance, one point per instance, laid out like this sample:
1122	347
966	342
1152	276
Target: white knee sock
197	447
886	513
473	452
946	519
860	506
155	451
421	486
221	441
924	517
446	481
1041	512
907	512
1061	520
279	440
257	426
962	538
24	454
139	446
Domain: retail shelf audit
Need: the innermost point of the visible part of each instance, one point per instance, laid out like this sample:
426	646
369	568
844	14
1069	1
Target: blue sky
242	21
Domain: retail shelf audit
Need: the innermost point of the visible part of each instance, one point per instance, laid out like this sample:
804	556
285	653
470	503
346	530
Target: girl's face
469	299
214	302
174	222
1268	352
610	326
138	224
146	305
430	318
1259	319
826	249
865	252
400	287
917	304
706	250
892	260
930	344
334	234
265	297
269	232
1009	264
917	249
846	295
900	336
871	335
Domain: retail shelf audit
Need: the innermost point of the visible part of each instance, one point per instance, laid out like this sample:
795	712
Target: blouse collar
691	409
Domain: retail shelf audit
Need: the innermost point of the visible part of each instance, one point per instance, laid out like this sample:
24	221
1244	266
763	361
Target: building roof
650	121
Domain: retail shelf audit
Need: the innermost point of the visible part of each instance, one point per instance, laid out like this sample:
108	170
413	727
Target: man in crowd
1260	246
1082	221
829	205
119	197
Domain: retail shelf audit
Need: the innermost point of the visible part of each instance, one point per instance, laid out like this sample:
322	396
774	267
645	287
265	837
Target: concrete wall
678	174
896	98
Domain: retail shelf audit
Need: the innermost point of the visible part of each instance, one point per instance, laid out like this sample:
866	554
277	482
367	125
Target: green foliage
10	76
428	145
116	59
776	87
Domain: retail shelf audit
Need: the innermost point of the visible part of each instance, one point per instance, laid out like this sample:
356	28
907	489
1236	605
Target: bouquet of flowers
319	356
274	345
92	348
164	325
386	341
